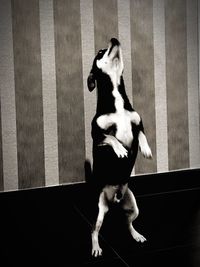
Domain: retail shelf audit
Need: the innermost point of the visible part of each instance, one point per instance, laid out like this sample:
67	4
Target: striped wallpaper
46	52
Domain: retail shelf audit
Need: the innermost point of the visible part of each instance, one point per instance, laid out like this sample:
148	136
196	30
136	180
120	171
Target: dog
117	133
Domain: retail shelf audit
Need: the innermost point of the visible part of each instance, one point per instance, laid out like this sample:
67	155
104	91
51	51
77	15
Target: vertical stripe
49	92
87	38
143	76
124	29
7	89
69	83
46	53
192	78
28	91
176	79
199	53
160	85
105	22
1	156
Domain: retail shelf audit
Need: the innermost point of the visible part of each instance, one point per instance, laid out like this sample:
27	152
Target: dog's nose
114	42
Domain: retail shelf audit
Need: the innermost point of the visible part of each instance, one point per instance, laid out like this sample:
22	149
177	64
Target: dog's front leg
135	117
103	209
118	148
144	146
103	123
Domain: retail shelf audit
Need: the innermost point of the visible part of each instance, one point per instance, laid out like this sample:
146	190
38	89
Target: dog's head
107	62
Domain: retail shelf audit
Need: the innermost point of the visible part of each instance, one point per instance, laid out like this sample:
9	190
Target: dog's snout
114	42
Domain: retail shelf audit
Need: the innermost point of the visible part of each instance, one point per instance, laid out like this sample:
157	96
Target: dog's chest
124	128
122	122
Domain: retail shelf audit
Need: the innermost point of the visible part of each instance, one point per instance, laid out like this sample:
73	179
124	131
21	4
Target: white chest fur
122	119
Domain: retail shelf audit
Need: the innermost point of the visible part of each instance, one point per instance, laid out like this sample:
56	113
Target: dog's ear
91	81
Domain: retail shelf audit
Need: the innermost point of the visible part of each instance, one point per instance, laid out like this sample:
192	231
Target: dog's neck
112	96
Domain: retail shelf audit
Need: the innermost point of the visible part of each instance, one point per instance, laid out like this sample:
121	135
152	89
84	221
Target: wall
46	52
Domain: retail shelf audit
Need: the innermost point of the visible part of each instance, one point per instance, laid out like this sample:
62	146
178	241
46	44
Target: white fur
122	120
144	146
119	149
103	209
113	66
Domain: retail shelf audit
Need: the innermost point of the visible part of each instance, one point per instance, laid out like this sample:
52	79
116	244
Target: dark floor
52	226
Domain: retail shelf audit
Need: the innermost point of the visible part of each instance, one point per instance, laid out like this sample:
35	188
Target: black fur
108	169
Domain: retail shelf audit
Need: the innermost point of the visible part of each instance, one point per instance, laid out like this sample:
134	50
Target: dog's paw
143	145
120	150
146	151
96	251
138	237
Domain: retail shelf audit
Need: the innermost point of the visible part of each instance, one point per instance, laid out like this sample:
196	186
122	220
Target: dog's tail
88	171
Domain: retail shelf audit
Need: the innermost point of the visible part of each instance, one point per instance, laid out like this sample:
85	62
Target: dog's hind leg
130	207
103	209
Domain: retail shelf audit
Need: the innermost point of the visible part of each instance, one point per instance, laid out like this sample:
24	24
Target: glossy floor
52	227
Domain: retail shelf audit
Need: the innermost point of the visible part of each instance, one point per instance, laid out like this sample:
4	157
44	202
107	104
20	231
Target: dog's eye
101	53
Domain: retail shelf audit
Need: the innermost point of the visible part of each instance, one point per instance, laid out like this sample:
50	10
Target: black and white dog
117	132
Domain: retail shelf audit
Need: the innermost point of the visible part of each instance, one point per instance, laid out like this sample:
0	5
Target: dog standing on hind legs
117	132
